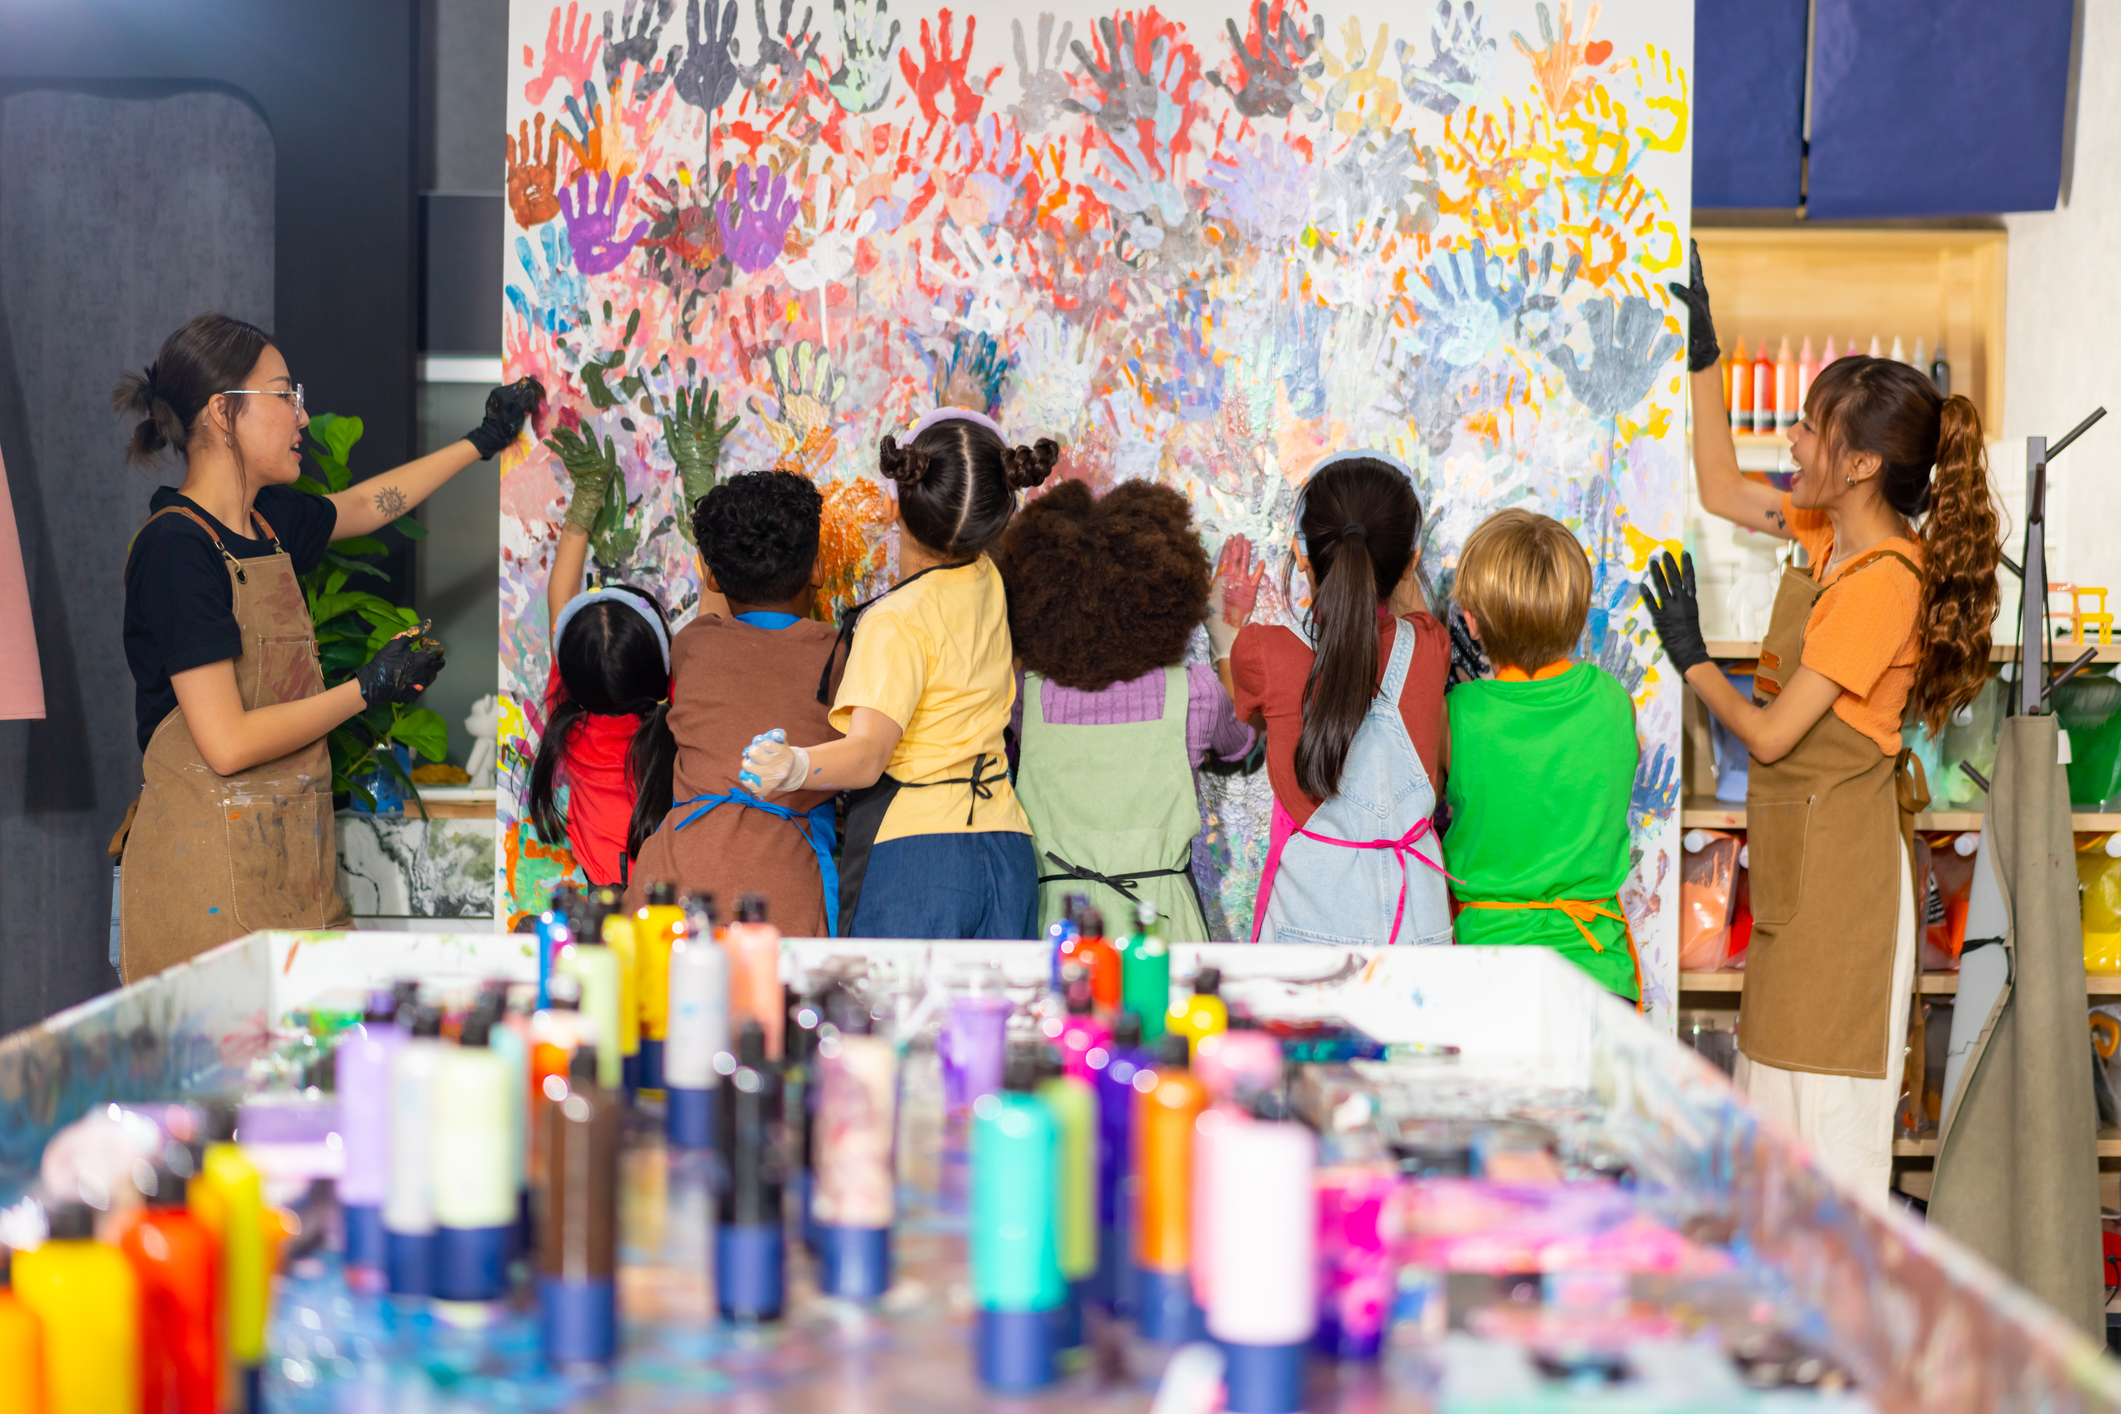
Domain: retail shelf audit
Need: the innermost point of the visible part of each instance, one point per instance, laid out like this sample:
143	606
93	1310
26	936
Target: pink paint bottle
1355	1267
1080	1031
1235	1064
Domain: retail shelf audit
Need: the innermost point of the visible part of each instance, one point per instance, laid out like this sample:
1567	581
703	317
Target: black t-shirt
180	610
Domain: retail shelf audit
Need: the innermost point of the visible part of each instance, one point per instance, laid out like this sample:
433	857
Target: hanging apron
208	858
1821	827
819	829
1113	806
1333	878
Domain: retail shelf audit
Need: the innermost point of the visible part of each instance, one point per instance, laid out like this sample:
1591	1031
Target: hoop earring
1851	481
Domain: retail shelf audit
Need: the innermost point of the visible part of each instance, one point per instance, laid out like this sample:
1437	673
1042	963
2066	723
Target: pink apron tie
1285	825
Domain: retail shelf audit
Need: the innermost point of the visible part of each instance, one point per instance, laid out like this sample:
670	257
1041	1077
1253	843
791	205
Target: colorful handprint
592	223
755	215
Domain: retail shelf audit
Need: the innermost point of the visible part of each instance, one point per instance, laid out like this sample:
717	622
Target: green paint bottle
1145	971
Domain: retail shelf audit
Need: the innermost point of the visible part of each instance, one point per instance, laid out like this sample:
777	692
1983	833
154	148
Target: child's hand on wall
1233	593
591	468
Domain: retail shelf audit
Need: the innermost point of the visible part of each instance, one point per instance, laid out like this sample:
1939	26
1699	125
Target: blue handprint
1267	194
756	217
592	223
1195	387
558	295
1463	315
1630	347
1656	786
1463	59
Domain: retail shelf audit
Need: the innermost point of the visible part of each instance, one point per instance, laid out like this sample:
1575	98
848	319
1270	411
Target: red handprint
568	54
1236	585
939	69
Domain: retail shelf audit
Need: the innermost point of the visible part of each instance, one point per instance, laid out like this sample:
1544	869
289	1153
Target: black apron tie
981	783
1122	884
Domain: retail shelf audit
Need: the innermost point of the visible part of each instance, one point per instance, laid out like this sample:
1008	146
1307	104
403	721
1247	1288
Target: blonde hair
1527	583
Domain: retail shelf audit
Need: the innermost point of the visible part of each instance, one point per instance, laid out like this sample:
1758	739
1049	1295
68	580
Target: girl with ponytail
1353	712
936	844
1887	622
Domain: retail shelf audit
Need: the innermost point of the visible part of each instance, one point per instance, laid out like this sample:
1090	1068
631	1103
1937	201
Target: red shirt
599	789
1269	666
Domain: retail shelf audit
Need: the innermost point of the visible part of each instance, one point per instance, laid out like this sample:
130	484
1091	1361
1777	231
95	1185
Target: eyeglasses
295	396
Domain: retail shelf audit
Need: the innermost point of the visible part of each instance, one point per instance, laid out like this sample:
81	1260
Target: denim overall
1366	868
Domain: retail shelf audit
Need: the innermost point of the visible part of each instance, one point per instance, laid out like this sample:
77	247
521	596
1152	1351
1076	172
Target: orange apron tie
1580	912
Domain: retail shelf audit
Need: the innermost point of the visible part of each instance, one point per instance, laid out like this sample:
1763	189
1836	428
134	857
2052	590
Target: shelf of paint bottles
1930	984
1764	393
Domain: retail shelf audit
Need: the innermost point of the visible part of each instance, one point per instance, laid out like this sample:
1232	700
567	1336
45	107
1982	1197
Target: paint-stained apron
1113	812
208	858
1821	827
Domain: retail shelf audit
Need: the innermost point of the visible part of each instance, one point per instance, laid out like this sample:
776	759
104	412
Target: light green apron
1113	813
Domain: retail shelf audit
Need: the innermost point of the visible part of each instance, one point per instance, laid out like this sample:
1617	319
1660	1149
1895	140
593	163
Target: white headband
947	414
1360	454
626	597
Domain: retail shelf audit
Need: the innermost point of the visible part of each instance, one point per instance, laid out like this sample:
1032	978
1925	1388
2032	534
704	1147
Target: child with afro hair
1104	594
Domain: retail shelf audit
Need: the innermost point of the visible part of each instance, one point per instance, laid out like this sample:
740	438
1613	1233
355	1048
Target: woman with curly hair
1104	593
1892	615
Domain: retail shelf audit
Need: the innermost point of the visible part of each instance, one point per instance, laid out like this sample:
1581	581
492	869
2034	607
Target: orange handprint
1556	60
533	175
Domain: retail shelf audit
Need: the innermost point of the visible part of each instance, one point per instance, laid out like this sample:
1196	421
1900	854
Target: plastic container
2099	895
1203	1013
87	1304
596	967
1117	1190
176	1263
2089	706
228	1196
578	1239
755	973
1733	761
1073	1104
750	1258
1163	1136
972	1049
657	925
408	1202
698	1031
361	1075
474	1177
1145	971
1970	740
1708	897
21	1349
854	1188
1262	1229
1017	1286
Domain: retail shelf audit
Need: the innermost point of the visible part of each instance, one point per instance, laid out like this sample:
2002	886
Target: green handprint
693	438
590	468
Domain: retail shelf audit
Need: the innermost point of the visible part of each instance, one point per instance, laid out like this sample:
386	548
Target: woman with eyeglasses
232	831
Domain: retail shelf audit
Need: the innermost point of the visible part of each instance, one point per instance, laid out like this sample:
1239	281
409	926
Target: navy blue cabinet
1749	103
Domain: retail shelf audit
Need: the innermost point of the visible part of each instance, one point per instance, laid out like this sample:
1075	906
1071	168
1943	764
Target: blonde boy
1542	758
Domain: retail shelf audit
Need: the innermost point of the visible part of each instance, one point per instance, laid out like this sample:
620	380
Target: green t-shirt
1540	777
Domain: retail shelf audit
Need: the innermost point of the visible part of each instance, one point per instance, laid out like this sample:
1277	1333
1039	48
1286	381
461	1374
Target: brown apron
1821	827
208	858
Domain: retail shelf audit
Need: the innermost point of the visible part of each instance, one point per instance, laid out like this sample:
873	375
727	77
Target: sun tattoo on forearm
391	502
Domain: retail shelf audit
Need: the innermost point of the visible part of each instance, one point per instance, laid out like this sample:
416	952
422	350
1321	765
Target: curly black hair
1102	590
758	532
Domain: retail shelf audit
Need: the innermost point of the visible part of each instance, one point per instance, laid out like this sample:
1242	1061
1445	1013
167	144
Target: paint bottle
87	1304
1016	1277
1208	1130
1356	1271
1073	1104
857	1121
1940	371
472	1105
1203	1013
361	1076
21	1348
1899	354
596	967
1263	1229
1875	350
551	932
1741	389
1082	1034
578	1232
699	1030
1163	1143
176	1263
755	972
802	1017
1061	935
749	1257
228	1195
621	937
1117	1189
1763	389
408	1201
1237	1064
973	1047
1829	356
1145	967
1807	370
657	926
556	1030
1785	387
509	1037
1723	366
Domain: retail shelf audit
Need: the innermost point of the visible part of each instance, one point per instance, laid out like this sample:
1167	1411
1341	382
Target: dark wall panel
1749	103
1937	107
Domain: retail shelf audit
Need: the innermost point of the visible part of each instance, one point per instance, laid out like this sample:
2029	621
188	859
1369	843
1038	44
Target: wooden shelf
1701	813
2109	1146
1931	984
2065	651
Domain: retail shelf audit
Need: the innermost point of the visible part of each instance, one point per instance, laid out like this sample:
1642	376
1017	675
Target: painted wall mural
1204	243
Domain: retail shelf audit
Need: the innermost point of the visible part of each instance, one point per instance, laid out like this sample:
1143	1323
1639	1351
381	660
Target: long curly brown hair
1894	412
1103	589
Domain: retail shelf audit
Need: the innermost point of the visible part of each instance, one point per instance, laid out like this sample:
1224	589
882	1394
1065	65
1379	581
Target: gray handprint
707	75
1275	66
640	30
1126	94
1542	285
1368	183
1464	57
862	83
1630	348
1462	314
789	51
1046	87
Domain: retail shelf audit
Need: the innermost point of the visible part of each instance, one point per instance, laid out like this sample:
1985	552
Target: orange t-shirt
1861	632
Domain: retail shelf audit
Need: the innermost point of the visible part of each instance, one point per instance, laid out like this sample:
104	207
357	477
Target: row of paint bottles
1766	395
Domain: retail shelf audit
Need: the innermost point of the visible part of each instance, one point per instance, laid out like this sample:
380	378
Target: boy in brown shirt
734	677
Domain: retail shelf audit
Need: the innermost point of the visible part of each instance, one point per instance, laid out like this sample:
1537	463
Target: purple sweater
1210	720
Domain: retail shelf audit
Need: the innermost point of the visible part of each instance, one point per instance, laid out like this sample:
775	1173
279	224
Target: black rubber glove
506	409
1702	350
1675	610
401	672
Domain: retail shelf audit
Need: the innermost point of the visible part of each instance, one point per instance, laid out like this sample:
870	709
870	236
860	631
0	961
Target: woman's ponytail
652	762
1961	552
1360	521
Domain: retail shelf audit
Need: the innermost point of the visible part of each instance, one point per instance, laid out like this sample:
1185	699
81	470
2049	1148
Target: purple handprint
756	217
592	219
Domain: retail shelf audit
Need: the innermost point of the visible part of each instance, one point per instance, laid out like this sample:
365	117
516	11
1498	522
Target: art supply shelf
1931	984
1707	814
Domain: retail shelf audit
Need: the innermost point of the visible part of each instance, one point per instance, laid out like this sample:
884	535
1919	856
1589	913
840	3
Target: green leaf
358	545
409	528
314	487
339	434
424	731
325	607
387	617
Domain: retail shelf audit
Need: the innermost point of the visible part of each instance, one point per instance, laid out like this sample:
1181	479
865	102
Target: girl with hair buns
1891	616
233	828
936	846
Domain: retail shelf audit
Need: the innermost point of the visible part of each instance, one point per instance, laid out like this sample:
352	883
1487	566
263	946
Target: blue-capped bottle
1016	1276
578	1230
750	1252
699	1028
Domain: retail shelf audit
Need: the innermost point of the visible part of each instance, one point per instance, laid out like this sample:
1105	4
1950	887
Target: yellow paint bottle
620	937
1203	1013
229	1197
21	1351
87	1301
656	925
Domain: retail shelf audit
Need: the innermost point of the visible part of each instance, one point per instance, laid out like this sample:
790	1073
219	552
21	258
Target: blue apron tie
820	828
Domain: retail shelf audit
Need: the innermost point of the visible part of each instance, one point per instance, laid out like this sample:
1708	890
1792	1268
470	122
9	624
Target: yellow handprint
806	388
1354	92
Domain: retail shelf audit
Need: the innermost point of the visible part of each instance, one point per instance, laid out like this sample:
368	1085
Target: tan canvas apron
207	858
1821	827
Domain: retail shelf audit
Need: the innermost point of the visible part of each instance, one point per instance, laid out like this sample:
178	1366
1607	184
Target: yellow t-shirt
935	658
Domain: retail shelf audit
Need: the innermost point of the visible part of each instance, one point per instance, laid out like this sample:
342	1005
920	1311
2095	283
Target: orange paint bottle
1741	389
1164	1116
21	1351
